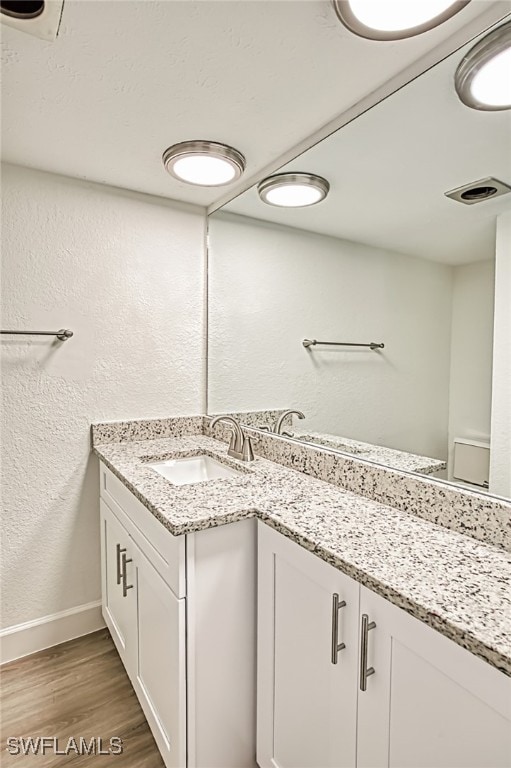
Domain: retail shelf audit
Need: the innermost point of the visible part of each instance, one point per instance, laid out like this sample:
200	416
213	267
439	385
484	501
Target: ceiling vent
37	17
478	191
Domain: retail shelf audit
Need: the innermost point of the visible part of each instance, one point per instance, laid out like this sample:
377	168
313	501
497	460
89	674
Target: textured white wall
471	353
272	286
125	273
500	455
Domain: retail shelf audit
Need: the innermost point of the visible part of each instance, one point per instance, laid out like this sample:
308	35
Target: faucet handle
248	453
234	441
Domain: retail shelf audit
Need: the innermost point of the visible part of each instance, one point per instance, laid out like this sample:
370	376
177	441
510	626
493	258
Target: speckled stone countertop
453	583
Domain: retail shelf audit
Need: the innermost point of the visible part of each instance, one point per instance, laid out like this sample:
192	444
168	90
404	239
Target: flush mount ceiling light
205	163
394	19
483	77
293	190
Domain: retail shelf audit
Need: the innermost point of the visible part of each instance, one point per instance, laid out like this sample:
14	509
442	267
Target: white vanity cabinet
181	611
160	667
119	606
307	686
147	623
428	703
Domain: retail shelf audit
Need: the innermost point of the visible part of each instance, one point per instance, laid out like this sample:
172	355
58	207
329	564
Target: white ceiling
124	80
389	169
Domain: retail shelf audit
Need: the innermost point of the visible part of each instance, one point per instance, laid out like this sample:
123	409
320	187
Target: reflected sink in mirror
193	469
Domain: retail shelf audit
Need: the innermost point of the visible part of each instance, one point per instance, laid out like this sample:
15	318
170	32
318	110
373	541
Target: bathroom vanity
181	611
380	594
382	638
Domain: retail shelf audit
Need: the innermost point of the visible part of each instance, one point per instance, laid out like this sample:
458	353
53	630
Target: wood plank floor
75	689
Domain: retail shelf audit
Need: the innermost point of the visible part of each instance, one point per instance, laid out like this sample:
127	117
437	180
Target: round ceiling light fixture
394	19
204	163
293	190
22	9
483	77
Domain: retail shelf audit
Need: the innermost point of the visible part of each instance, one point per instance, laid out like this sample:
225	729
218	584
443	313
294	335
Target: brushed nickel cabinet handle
118	550
125	586
336	646
364	638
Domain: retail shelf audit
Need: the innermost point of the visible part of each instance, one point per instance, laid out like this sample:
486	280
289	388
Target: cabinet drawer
165	551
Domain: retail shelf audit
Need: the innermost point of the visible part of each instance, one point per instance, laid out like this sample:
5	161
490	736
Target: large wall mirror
385	259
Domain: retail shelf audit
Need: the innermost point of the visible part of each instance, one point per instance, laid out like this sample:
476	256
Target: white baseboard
24	639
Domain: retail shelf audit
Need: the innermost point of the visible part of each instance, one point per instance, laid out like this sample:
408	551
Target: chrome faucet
240	446
280	420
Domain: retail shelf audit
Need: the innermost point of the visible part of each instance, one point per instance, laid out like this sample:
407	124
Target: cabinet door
306	702
161	661
119	604
429	703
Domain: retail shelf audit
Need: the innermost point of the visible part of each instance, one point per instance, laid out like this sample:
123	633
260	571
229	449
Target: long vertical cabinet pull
118	550
364	638
336	646
125	586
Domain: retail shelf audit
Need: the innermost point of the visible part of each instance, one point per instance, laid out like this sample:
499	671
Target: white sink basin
192	469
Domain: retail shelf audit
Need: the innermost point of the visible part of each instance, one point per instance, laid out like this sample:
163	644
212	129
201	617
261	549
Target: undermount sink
192	469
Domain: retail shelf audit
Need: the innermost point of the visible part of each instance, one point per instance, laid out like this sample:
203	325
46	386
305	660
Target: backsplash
475	514
145	429
400	460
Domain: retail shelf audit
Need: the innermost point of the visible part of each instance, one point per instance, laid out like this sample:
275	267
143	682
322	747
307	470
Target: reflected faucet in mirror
279	423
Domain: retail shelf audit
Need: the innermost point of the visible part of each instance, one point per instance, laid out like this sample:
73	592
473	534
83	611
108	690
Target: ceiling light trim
462	194
280	180
346	16
197	147
484	51
19	11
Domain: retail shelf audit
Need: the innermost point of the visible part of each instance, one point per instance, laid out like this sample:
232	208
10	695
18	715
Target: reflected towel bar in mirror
312	343
63	335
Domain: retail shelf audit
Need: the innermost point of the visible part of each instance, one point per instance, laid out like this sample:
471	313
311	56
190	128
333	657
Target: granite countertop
453	583
391	457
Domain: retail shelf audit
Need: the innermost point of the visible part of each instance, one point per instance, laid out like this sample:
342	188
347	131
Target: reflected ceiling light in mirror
483	78
204	163
293	190
394	19
477	191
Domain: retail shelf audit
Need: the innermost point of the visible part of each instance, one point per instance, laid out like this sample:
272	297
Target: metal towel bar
312	343
63	335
